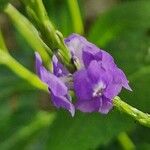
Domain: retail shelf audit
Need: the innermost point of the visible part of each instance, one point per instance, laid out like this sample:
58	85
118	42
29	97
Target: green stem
139	116
76	16
21	71
2	43
125	142
29	32
45	25
53	38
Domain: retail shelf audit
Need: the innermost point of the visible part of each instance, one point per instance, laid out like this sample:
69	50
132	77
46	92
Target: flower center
98	89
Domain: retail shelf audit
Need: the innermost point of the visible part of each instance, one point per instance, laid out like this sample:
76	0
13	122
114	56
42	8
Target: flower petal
106	105
82	85
58	69
112	90
95	71
124	80
91	53
56	86
88	106
38	63
107	60
62	101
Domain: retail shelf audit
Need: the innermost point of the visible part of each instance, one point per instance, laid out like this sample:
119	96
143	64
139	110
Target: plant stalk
21	71
76	16
139	116
29	32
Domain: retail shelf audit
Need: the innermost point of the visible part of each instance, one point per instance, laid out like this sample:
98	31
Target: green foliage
124	32
86	131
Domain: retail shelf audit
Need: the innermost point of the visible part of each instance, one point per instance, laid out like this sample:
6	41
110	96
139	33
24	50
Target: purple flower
57	88
95	87
96	82
99	80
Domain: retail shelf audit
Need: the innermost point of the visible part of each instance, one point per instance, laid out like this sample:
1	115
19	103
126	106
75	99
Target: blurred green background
28	121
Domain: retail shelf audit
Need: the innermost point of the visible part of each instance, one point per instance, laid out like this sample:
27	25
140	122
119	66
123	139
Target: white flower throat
98	89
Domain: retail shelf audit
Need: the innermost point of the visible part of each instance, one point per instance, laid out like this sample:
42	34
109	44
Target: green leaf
85	131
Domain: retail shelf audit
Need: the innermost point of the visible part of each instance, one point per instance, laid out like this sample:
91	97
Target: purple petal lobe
107	60
106	105
91	53
58	69
88	106
95	71
55	84
82	85
62	101
122	77
112	90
